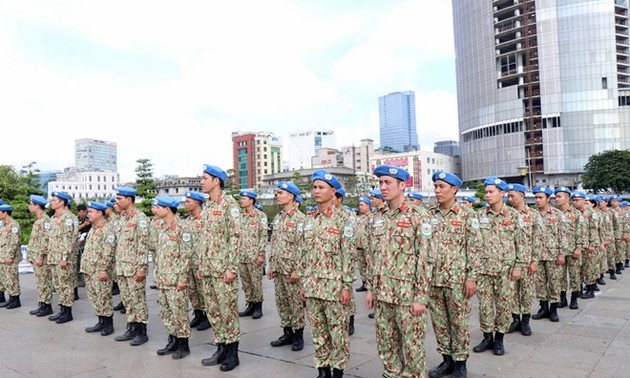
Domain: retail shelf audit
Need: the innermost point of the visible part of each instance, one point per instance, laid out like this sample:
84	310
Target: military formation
413	260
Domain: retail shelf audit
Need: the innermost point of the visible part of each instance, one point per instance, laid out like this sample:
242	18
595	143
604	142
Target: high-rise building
446	147
95	155
397	115
255	155
358	157
541	85
303	145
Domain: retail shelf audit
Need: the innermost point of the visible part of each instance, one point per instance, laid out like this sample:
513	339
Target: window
604	83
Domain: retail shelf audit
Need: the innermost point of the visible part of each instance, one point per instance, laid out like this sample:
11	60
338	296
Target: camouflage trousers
43	281
573	269
400	340
547	281
10	278
100	294
251	280
450	313
64	282
174	311
222	308
495	295
591	266
611	255
195	292
524	294
288	302
134	296
329	330
363	268
620	250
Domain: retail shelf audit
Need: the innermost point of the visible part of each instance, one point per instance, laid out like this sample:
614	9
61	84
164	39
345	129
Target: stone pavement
593	341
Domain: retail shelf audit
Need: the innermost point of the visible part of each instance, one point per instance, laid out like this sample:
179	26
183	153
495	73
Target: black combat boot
2	298
298	340
130	332
98	327
460	369
285	339
516	323
361	288
38	309
257	311
14	302
553	312
610	271
445	368
182	348
351	325
618	268
486	344
543	312
595	288
217	358
371	315
249	310
66	315
115	288
108	328
171	346
589	293
198	316
574	302
600	280
621	267
45	311
563	299
627	264
76	293
141	335
5	303
119	307
526	330
324	372
498	344
336	373
205	323
231	358
57	315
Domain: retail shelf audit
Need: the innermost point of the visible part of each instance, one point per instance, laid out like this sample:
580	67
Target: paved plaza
593	341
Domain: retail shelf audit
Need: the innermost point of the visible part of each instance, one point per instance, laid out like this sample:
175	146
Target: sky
170	81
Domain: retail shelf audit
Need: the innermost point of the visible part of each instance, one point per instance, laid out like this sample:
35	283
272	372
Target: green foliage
15	190
609	170
303	183
145	185
481	191
230	186
352	185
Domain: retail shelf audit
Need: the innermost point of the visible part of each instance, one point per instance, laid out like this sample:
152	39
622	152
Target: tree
608	170
15	190
145	184
352	185
230	186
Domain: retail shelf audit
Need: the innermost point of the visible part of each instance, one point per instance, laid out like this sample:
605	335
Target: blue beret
310	208
63	195
376	193
579	194
196	196
517	188
1	202
97	205
447	177
327	177
346	207
599	199
165	201
616	198
365	200
6	207
624	203
215	172
126	191
38	200
608	199
341	191
469	199
298	199
484	204
416	195
248	193
591	197
109	204
562	189
258	206
494	180
542	189
289	187
393	171
113	199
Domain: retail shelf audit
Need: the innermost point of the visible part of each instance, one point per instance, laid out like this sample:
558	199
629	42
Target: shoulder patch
68	222
300	227
186	237
595	216
235	212
426	229
75	222
563	218
111	238
474	223
348	231
541	222
521	222
142	224
46	225
14	230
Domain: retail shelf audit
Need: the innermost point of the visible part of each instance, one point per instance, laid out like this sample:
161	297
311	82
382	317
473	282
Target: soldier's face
208	182
562	199
390	187
123	202
246	201
493	195
56	203
364	208
283	197
94	215
376	202
444	192
416	201
602	205
515	198
466	204
541	200
322	192
579	203
190	204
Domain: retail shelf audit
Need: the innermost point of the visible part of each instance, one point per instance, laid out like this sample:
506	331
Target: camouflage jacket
617	223
376	231
592	224
577	232
173	253
219	238
503	241
11	241
529	221
195	224
61	239
286	239
605	225
362	232
553	235
99	250
38	241
132	244
253	238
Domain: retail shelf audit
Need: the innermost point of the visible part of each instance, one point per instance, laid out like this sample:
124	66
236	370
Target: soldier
10	255
325	268
577	238
376	226
550	255
626	212
173	253
111	217
468	202
37	251
416	198
608	237
98	268
283	257
524	289
590	269
340	194
194	205
618	231
132	248
155	227
218	267
502	260
251	251
361	239
400	279
62	254
456	244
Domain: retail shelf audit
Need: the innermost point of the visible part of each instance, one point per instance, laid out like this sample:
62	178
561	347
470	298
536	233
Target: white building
95	155
86	185
303	145
358	157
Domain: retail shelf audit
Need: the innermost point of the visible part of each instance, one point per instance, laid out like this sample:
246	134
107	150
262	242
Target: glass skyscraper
541	84
94	154
397	114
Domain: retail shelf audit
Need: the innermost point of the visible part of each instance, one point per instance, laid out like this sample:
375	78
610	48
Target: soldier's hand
199	276
102	276
181	286
8	261
560	260
470	287
228	276
516	274
63	264
577	253
270	274
39	262
294	278
260	260
533	267
417	309
140	275
369	300
591	249
345	296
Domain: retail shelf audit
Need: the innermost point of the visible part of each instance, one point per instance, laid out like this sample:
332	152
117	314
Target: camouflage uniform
577	238
98	256
220	218
456	243
376	228
10	248
553	237
524	289
590	261
502	253
285	244
361	242
132	248
195	288
325	269
252	243
402	272
618	231
173	253
61	242
352	219
608	257
38	249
